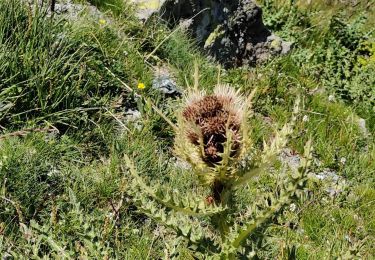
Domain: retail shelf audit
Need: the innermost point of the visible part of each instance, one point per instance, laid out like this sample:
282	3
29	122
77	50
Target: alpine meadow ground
208	174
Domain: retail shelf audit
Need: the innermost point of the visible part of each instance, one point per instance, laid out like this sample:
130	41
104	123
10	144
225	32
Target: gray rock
73	11
134	117
67	8
286	47
231	31
164	82
362	126
332	182
166	85
293	160
328	174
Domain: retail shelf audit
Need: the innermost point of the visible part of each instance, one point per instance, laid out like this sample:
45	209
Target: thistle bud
210	132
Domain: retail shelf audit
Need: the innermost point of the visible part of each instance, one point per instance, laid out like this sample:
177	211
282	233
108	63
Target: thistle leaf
186	205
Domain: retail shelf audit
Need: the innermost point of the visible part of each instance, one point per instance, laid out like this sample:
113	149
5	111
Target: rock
145	8
232	31
68	9
73	11
332	182
362	126
285	47
328	174
164	83
134	117
292	159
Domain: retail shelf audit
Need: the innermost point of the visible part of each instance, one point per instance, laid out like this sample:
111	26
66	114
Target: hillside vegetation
77	159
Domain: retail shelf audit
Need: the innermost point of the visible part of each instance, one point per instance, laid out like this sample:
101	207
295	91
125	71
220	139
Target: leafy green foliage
345	62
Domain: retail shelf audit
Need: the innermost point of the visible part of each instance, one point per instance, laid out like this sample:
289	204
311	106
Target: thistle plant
212	135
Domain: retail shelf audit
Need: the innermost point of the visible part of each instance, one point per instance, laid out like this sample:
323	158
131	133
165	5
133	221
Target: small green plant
212	136
346	59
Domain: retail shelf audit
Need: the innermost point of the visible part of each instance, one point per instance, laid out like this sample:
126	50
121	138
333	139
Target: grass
63	132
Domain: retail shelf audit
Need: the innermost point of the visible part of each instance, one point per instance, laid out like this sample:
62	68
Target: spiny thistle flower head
210	132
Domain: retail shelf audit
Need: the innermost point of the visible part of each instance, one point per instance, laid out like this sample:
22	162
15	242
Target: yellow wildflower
141	85
102	21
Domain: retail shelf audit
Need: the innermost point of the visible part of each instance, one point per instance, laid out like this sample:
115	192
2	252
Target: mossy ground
61	185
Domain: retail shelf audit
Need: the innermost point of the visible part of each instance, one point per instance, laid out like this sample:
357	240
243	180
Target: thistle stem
221	220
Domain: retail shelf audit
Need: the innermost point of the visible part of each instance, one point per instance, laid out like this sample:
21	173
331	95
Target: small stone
286	47
292	159
362	127
333	183
328	174
133	115
166	85
164	82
